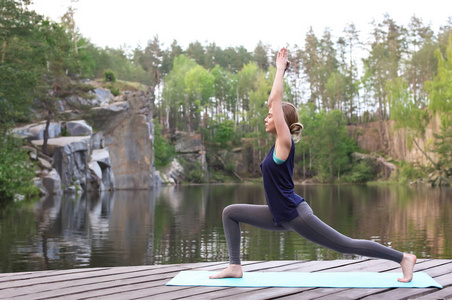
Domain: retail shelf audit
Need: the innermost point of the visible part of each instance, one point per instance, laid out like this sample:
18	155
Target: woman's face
269	123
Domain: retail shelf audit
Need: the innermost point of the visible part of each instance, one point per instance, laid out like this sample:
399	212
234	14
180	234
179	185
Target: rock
70	158
174	173
101	172
308	181
131	151
385	168
18	197
78	128
103	97
36	131
44	164
127	132
188	142
97	140
379	165
76	101
52	183
108	117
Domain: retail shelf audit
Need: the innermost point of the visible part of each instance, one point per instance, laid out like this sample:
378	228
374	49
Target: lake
182	224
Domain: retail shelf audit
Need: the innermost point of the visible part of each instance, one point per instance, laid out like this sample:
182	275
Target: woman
287	210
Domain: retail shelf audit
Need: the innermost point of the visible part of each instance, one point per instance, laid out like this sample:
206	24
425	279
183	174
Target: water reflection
183	224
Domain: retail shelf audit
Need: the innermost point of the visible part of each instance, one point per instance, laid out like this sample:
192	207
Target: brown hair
291	118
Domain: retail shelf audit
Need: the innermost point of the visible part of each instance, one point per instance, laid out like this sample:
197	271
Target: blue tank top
278	185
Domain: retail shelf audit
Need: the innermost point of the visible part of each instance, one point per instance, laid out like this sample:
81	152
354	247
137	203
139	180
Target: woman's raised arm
283	138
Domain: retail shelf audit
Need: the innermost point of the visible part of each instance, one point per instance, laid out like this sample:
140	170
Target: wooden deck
148	282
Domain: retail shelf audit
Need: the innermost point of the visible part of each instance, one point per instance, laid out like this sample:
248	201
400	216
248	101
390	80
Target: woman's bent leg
255	215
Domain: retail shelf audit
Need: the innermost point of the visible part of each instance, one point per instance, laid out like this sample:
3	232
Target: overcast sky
234	22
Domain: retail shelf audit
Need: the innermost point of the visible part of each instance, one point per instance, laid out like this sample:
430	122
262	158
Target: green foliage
164	151
407	173
405	111
440	89
224	133
194	172
360	173
16	170
109	76
443	143
326	143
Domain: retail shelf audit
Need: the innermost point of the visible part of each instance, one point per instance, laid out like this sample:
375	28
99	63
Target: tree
174	93
333	146
62	61
199	90
196	51
260	56
19	66
420	65
382	65
310	58
440	91
16	170
348	67
246	82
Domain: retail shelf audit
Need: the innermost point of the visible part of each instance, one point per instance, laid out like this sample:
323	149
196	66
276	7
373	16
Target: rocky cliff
109	145
382	138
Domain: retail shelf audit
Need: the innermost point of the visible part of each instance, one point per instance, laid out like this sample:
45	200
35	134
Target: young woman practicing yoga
287	210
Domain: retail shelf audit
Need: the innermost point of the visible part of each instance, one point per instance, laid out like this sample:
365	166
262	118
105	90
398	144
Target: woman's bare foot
407	264
232	271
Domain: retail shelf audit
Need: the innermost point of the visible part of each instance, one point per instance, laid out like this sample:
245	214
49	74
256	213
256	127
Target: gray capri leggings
305	224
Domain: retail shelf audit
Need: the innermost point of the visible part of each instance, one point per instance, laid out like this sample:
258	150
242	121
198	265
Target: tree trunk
46	133
4	51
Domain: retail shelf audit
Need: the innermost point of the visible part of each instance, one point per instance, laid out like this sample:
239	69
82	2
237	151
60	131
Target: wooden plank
263	292
107	279
117	284
171	291
445	293
311	293
422	265
442	274
85	286
150	282
92	276
373	265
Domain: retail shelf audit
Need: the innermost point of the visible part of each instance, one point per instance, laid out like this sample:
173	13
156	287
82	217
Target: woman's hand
281	60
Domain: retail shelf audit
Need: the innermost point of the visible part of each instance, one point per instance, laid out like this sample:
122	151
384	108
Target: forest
400	72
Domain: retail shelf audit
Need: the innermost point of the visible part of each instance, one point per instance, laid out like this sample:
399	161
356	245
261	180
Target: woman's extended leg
312	228
255	215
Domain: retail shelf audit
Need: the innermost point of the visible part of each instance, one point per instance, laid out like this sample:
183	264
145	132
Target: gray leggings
305	224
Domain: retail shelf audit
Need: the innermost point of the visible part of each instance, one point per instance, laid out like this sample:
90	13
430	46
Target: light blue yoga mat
299	279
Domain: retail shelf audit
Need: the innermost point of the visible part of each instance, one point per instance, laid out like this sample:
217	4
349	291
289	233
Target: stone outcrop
379	165
70	159
191	152
128	133
381	137
36	131
110	148
101	176
78	128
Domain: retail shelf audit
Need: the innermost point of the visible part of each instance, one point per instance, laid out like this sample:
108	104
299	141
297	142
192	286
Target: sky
234	23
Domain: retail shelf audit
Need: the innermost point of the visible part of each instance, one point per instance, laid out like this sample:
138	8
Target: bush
164	151
109	76
407	172
16	169
360	173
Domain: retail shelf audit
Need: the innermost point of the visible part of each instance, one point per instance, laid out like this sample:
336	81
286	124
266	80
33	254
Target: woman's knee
229	210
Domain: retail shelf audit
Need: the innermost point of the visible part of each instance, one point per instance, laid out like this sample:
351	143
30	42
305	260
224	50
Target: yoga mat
300	279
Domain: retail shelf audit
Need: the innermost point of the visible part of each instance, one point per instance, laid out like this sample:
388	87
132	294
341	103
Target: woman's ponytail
295	131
